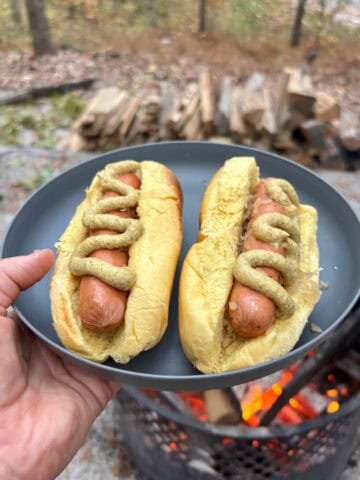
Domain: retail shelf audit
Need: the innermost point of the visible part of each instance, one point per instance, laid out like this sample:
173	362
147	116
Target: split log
220	140
349	130
303	157
174	117
93	120
314	133
180	112
167	102
301	94
133	135
76	142
116	119
148	116
192	130
207	96
128	119
191	120
268	123
152	104
281	108
284	142
221	407
264	142
332	128
187	114
326	107
224	107
253	104
237	126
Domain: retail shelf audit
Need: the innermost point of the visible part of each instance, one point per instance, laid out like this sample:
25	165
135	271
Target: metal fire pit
166	444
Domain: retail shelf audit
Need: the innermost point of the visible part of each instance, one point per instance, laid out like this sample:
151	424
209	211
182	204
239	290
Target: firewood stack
290	117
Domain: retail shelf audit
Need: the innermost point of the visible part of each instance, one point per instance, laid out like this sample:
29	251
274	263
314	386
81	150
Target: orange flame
333	407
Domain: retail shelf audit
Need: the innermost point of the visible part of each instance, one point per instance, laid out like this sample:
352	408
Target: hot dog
252	313
116	262
101	306
249	284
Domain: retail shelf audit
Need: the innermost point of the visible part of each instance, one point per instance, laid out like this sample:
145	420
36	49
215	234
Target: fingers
12	366
20	273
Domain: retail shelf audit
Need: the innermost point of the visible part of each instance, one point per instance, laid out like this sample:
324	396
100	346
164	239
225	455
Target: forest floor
140	65
159	56
118	44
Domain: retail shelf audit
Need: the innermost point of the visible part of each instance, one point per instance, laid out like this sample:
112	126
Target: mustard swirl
282	192
96	217
281	230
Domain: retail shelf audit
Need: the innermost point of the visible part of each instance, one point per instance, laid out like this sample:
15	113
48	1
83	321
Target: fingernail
35	252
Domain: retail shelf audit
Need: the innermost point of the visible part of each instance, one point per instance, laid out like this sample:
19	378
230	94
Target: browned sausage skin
251	313
101	306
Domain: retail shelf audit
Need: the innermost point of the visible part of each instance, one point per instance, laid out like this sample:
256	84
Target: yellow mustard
97	217
277	229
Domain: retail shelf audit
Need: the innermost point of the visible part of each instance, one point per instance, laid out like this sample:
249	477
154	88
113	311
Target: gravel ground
103	455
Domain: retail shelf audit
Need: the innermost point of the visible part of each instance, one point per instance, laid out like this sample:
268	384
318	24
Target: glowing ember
227	441
333	407
196	403
343	391
320	396
258	396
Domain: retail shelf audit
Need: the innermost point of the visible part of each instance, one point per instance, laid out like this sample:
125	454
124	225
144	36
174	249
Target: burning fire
258	396
307	404
325	395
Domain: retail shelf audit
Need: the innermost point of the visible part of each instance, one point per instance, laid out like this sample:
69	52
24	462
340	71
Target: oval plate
44	217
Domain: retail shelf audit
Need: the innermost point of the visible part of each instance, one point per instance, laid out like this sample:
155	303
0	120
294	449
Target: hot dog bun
153	257
207	337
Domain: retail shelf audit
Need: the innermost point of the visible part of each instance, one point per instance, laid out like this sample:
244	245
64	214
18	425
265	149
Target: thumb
20	273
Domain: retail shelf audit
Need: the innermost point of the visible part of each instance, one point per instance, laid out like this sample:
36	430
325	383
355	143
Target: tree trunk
15	11
39	27
297	27
202	16
152	12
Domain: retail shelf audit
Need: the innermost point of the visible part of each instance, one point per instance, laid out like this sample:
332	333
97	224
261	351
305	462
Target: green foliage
69	106
249	20
77	26
40	176
42	118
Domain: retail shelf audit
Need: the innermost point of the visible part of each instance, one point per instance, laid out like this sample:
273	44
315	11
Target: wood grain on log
237	126
224	107
207	96
129	117
326	107
253	103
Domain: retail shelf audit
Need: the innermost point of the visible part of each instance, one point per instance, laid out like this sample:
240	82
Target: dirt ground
160	56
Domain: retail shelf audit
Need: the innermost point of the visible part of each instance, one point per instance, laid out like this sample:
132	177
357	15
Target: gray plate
46	214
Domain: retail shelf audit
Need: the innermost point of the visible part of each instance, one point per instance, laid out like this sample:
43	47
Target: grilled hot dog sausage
250	312
101	306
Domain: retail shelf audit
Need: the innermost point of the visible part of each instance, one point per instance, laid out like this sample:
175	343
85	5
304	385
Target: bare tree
297	27
202	16
152	12
39	27
15	11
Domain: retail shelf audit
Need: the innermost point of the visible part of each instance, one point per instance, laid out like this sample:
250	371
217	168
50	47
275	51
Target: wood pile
291	118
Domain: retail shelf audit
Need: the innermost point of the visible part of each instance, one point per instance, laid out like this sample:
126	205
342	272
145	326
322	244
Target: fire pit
311	435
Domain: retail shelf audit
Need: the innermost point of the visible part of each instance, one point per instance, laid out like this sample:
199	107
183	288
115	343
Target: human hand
47	406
